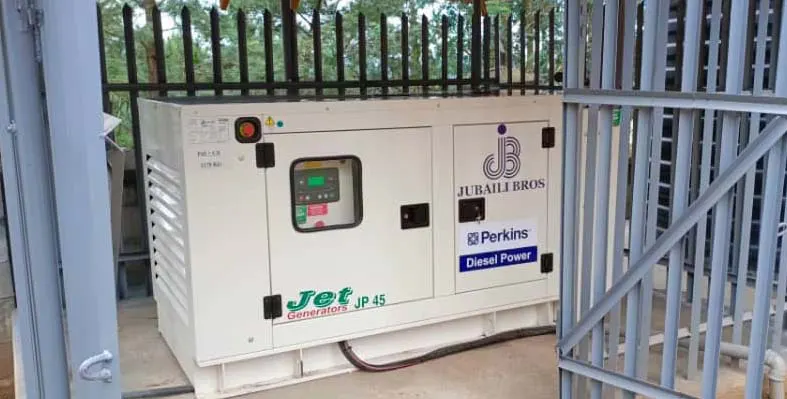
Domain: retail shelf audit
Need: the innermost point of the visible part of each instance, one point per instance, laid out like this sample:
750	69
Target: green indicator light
280	124
315	181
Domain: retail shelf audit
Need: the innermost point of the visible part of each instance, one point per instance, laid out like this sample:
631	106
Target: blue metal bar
638	216
619	235
29	199
680	190
718	189
748	193
601	226
705	167
571	137
772	197
73	103
774	178
590	186
621	381
721	216
781	292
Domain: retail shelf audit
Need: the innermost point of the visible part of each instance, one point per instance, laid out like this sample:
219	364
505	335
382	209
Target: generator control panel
317	186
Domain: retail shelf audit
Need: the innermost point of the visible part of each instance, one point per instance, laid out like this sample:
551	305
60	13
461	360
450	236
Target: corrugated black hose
444	351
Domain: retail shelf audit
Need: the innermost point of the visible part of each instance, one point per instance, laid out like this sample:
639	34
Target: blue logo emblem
506	162
473	238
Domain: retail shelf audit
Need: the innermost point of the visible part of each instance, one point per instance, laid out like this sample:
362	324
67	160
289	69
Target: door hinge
547	263
265	155
548	137
271	307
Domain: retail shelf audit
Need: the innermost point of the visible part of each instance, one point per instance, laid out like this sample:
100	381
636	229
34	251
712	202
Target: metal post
475	47
29	200
290	44
680	190
73	102
571	136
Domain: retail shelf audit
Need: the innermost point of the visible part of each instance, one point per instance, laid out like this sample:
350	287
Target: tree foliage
350	10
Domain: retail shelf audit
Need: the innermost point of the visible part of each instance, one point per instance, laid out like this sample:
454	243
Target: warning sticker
317	210
208	130
489	245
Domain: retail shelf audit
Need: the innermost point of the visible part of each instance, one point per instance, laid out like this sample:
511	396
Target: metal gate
728	117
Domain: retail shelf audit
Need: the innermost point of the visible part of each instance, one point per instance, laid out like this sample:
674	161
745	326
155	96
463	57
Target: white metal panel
376	259
505	164
228	238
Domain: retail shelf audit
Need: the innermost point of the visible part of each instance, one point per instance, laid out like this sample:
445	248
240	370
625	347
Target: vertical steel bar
510	54
497	53
425	54
680	189
460	53
102	56
243	52
748	191
384	52
29	203
771	199
444	53
721	216
289	44
589	190
781	292
705	169
268	44
552	51
775	43
537	51
628	20
405	55
340	51
73	113
487	51
523	43
602	204
639	189
158	41
215	46
188	50
656	132
475	50
362	74
571	164
317	46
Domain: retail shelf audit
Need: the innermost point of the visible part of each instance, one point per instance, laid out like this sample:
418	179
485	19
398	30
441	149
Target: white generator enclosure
279	229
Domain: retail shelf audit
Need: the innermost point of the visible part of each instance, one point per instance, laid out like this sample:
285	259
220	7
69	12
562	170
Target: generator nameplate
488	245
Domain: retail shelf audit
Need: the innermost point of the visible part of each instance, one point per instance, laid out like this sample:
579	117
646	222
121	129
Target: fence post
475	50
290	45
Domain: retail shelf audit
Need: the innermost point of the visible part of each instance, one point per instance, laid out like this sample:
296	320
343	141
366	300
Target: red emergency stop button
248	130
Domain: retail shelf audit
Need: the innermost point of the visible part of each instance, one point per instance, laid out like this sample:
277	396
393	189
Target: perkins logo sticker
501	166
484	237
488	245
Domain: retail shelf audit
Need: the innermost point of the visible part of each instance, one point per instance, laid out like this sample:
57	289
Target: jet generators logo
506	162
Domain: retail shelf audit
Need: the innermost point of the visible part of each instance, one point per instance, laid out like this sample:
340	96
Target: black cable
159	392
360	364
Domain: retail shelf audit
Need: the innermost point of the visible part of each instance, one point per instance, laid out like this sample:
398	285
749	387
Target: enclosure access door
501	203
350	220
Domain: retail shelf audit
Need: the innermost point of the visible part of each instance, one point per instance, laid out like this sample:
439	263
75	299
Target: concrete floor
525	368
509	370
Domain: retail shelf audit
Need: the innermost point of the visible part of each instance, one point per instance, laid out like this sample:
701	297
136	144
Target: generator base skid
280	229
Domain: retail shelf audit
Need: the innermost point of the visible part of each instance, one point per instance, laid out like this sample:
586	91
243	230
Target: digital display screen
315	181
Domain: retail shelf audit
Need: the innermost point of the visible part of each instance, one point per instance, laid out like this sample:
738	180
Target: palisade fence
322	57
